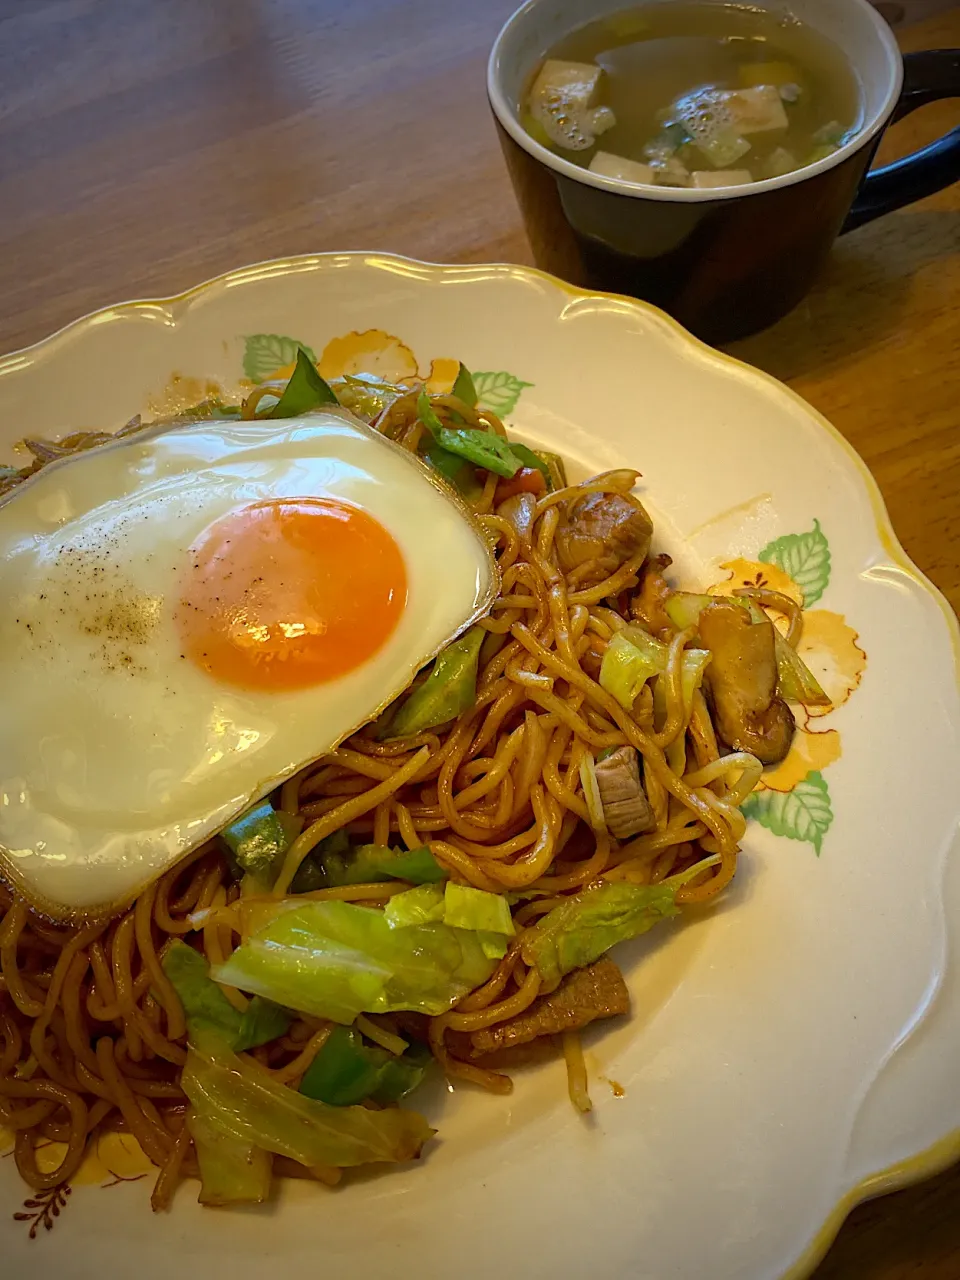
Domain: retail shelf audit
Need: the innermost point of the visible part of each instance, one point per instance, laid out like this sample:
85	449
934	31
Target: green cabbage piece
449	690
556	469
627	667
335	960
795	681
239	1114
461	907
633	657
684	608
232	1170
238	1098
469	908
585	927
423	905
493	945
366	395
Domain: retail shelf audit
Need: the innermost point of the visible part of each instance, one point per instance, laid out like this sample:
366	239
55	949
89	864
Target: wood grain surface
148	144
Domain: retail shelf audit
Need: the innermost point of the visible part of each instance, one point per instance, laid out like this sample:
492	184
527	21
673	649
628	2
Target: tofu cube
779	163
562	101
575	82
758	110
707	178
670	172
600	119
619	167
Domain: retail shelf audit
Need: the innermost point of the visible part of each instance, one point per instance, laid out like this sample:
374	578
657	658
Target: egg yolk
289	593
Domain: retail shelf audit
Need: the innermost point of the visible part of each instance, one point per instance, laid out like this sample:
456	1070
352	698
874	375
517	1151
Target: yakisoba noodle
92	1032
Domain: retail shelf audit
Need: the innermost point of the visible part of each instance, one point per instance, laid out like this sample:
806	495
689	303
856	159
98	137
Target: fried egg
192	614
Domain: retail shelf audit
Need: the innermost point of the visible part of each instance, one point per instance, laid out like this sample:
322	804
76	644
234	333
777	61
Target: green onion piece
402	1074
483	448
372	862
311	874
821	152
463	387
258	839
449	690
262	1022
347	1071
556	469
305	391
454	469
344	1072
206	1007
530	458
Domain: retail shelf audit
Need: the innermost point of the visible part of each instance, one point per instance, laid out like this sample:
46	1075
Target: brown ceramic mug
731	261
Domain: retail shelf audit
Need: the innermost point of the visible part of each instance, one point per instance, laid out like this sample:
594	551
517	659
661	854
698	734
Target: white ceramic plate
790	1052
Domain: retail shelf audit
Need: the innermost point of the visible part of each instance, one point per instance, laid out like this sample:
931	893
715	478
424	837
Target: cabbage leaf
335	960
239	1098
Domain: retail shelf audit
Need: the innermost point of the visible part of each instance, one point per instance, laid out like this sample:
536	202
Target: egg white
117	755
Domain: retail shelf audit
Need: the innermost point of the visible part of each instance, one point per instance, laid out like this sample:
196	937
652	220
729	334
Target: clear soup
693	95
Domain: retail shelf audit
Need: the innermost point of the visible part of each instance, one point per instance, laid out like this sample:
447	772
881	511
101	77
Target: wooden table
146	145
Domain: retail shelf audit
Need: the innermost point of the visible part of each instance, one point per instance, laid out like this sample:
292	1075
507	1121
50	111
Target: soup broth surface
694	95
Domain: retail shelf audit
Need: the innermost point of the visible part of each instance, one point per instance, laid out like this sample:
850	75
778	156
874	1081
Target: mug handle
928	77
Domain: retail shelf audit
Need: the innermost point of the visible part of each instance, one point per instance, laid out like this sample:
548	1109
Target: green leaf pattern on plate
806	558
498	391
265	353
801	814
